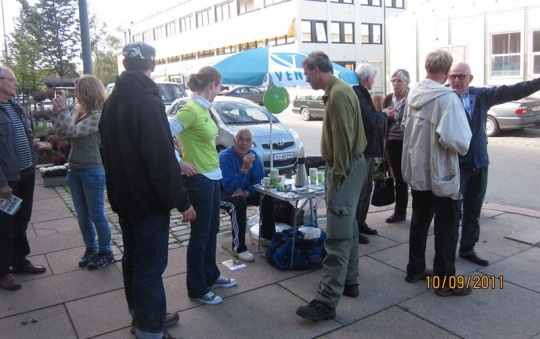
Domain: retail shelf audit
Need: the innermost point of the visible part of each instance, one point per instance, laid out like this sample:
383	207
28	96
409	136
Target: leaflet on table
10	205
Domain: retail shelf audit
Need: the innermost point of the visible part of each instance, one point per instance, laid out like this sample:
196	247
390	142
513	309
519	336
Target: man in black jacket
17	177
373	123
473	166
144	183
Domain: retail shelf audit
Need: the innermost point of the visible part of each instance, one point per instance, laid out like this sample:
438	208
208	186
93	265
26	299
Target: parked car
168	91
231	114
309	105
513	115
252	93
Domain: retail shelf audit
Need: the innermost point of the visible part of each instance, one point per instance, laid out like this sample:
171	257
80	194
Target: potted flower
54	175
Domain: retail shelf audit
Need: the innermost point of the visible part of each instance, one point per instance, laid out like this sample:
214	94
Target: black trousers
446	227
14	245
236	207
394	149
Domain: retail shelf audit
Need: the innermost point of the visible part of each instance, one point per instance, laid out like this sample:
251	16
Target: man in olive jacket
342	143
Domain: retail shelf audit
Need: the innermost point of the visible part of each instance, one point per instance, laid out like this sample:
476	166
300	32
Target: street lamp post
85	37
4	27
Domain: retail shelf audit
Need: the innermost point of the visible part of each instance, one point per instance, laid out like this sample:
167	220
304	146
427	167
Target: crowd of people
432	137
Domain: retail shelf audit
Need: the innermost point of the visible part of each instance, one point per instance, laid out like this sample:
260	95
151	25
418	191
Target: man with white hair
373	123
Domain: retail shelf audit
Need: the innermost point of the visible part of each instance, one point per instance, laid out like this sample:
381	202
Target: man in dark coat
144	183
473	166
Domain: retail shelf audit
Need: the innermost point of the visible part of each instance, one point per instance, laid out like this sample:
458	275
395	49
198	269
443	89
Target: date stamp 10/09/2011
475	282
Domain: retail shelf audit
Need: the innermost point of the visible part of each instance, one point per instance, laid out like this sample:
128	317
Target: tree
104	47
26	50
59	32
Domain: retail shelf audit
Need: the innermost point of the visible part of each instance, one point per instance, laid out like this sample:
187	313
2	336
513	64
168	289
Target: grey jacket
435	132
9	160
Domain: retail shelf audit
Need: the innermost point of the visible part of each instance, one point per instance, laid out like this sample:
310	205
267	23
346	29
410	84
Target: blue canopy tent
253	67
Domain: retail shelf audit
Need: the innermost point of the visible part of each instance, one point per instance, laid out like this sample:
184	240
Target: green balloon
276	99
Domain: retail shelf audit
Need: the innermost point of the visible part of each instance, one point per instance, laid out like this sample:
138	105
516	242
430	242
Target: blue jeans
473	185
145	258
425	206
202	270
88	191
13	241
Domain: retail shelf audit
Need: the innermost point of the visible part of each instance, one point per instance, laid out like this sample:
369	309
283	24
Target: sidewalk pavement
70	302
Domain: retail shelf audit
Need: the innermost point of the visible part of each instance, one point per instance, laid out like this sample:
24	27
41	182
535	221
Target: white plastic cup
313	176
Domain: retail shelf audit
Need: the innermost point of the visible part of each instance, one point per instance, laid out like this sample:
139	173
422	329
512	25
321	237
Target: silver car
232	114
513	115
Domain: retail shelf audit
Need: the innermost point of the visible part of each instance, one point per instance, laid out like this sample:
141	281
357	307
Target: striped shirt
25	157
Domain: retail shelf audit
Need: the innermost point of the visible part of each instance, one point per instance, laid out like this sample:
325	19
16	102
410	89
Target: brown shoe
9	283
29	269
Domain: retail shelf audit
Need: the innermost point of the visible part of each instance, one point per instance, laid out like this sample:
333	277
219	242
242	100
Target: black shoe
422	276
316	310
471	256
351	291
367	230
394	218
170	319
100	260
362	239
87	257
166	335
446	291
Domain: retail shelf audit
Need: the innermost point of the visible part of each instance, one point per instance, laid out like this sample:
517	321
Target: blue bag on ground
307	253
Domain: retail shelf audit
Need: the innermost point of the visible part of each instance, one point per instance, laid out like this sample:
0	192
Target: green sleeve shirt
343	134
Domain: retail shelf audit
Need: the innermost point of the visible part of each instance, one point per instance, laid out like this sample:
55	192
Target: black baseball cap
139	50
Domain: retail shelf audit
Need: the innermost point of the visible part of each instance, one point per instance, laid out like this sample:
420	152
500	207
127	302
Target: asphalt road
514	176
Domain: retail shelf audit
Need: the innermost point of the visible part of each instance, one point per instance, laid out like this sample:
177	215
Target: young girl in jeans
86	176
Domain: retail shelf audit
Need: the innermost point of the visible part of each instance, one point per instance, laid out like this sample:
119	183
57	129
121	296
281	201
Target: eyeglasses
10	79
457	76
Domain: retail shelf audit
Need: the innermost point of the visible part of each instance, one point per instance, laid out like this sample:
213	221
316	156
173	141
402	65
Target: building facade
500	39
192	34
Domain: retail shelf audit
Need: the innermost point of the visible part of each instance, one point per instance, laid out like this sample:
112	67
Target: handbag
383	188
308	253
383	192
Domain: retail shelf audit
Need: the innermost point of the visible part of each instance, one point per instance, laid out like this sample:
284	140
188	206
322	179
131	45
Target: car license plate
283	156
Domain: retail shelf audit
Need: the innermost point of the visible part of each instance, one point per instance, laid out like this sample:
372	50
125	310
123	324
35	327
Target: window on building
246	6
144	36
185	24
342	32
158	33
371	33
394	3
317	0
505	54
350	65
370	3
202	18
536	52
223	11
314	31
343	1
171	28
136	37
273	2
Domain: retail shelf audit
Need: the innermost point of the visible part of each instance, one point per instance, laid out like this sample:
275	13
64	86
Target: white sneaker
246	256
